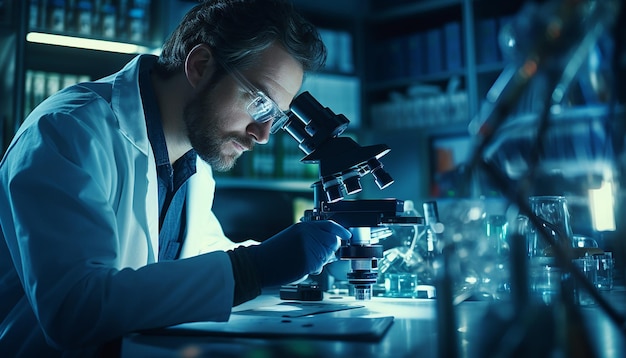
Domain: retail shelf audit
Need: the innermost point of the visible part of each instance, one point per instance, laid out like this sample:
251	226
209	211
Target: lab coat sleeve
204	231
71	252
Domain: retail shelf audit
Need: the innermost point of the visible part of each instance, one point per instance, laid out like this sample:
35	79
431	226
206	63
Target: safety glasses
261	108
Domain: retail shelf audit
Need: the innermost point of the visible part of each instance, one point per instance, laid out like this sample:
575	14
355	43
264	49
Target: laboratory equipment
342	163
549	43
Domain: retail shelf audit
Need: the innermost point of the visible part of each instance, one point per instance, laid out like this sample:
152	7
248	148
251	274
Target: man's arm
81	253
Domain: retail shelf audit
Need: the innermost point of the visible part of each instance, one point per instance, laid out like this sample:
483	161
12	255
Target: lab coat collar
126	101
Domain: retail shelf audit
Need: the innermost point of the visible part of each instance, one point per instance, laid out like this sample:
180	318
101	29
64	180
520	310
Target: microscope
342	163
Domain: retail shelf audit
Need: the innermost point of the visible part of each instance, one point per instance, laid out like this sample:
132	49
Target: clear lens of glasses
263	109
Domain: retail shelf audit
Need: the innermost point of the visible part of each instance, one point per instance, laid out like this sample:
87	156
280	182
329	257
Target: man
106	189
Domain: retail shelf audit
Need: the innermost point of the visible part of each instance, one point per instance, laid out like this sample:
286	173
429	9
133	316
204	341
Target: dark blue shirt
172	179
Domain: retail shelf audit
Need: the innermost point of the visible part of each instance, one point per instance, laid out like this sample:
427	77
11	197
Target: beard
204	131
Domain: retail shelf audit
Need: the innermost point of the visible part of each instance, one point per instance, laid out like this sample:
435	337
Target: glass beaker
545	274
554	216
498	274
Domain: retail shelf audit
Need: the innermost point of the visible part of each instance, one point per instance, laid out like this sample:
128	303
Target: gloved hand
299	250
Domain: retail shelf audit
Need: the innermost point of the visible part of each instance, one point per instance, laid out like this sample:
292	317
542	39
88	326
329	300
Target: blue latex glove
297	251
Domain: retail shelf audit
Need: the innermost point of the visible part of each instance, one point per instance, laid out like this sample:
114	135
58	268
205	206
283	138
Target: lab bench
412	332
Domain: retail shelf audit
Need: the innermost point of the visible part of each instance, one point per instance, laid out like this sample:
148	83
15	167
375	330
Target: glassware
545	275
402	266
604	278
401	285
589	267
554	215
496	234
497	238
545	281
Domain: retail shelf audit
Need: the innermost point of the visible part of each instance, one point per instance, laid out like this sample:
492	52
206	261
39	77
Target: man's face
218	124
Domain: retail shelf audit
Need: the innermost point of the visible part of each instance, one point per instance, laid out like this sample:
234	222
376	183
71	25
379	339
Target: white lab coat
79	215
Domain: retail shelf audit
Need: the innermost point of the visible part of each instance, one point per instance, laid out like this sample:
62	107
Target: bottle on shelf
84	17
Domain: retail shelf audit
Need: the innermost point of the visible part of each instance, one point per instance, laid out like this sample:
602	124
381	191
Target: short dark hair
239	30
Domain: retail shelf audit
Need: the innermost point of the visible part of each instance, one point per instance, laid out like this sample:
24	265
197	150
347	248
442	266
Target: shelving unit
428	44
429	65
43	66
